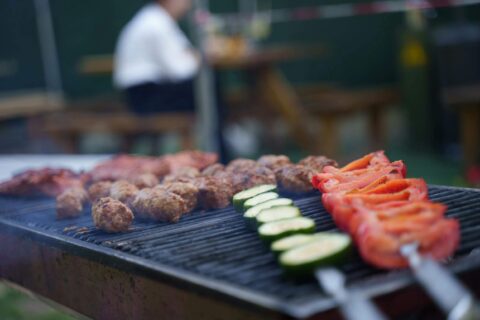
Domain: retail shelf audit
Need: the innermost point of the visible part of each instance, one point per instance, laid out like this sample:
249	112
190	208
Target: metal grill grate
217	247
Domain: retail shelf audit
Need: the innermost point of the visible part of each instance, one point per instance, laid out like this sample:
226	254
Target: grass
16	305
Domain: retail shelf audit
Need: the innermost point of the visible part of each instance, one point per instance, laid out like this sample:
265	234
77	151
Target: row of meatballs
114	203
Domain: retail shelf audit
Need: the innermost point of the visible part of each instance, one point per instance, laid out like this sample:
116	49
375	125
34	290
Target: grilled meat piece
42	182
188	192
252	177
273	162
126	167
183	174
99	190
111	215
159	204
70	203
195	159
295	178
213	169
146	180
240	165
317	163
141	202
123	191
213	192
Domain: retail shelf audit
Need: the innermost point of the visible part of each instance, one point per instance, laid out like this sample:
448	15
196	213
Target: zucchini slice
263	197
326	249
278	229
291	242
251	214
242	196
277	213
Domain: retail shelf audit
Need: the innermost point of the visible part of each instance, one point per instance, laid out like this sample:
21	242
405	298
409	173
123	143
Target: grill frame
385	283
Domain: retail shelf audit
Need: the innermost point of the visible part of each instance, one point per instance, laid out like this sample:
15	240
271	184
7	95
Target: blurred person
155	63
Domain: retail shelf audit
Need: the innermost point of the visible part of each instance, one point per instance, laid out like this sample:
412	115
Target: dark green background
361	50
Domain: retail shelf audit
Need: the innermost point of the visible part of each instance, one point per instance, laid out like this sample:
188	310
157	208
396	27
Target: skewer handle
356	306
353	304
457	302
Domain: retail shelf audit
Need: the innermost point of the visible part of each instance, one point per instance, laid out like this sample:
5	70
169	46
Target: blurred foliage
15	305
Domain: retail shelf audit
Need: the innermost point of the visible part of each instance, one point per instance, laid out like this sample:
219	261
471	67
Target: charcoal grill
208	265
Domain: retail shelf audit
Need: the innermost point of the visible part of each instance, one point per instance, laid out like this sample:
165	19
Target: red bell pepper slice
382	248
340	205
372	159
358	179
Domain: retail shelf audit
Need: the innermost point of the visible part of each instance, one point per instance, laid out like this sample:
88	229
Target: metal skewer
353	304
456	301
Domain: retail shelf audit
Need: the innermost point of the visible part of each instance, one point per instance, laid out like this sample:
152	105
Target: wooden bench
67	127
26	104
466	100
330	106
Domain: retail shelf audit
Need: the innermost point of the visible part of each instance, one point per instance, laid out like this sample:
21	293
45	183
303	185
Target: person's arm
177	58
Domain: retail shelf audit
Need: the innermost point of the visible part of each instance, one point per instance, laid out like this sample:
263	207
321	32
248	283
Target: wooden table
25	104
466	99
269	83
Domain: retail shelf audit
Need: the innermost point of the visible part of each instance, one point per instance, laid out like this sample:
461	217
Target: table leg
68	141
470	124
282	98
329	136
376	128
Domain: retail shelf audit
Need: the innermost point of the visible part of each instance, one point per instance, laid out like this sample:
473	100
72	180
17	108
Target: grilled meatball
317	163
213	192
163	205
188	192
140	204
295	178
146	180
253	177
111	215
213	169
184	174
273	162
70	202
123	191
240	165
99	190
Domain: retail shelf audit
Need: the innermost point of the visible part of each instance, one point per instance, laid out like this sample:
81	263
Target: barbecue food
382	211
273	162
99	190
251	177
188	192
70	203
126	167
295	178
241	165
183	174
213	169
317	163
141	202
213	192
123	191
195	159
42	182
159	204
146	180
111	215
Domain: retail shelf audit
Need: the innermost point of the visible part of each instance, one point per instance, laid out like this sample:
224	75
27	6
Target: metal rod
46	34
204	88
353	305
449	294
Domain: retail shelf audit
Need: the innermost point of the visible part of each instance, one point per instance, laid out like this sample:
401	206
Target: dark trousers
150	97
147	98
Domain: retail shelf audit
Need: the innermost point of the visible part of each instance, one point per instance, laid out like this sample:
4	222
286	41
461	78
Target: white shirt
152	48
